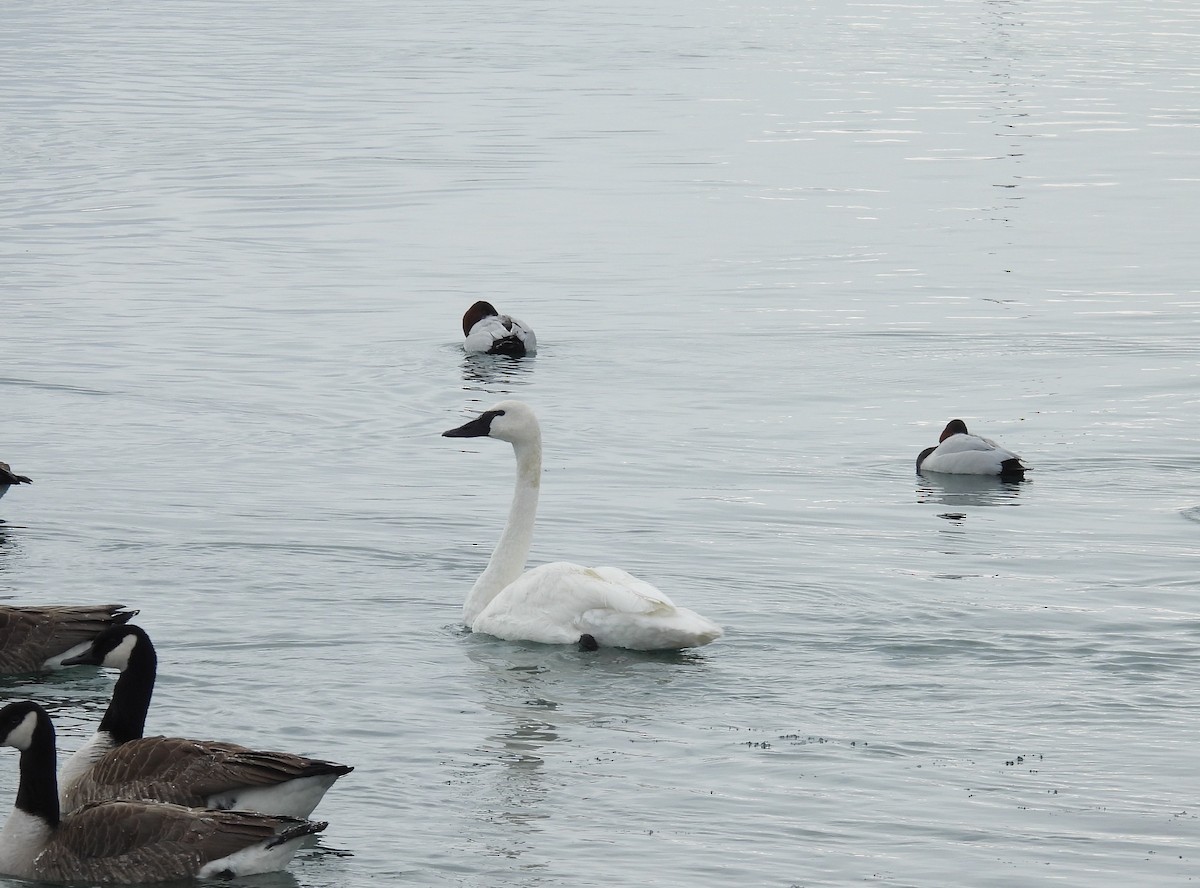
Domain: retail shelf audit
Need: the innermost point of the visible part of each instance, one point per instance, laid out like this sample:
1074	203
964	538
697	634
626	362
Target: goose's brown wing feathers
149	841
29	636
187	772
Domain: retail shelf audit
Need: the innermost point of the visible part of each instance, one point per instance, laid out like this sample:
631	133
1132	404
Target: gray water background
769	250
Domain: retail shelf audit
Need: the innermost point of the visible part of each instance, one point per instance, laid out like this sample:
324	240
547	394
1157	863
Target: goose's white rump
563	603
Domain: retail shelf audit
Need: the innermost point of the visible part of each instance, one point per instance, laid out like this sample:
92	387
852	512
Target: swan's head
477	313
953	427
114	648
511	421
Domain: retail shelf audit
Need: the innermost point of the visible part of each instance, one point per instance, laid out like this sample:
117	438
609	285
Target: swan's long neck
508	559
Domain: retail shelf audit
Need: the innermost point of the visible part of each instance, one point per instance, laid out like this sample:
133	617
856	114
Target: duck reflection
958	491
496	374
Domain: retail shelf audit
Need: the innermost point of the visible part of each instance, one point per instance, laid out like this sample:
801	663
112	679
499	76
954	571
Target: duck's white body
489	332
563	603
961	453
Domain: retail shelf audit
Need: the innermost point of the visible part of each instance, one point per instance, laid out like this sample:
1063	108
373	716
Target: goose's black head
114	648
19	722
477	313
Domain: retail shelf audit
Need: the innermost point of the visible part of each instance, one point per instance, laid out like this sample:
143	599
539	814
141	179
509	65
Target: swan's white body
961	453
489	332
562	603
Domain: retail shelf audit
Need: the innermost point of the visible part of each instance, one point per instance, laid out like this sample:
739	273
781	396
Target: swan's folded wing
557	603
544	604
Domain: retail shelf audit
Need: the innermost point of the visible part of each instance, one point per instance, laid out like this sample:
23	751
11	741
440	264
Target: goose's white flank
37	638
490	333
563	603
117	762
961	453
125	842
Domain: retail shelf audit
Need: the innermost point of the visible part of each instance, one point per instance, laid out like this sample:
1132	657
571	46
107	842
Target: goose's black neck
125	718
37	793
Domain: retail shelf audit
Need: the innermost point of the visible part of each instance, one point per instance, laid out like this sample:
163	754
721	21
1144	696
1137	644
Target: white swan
961	453
491	333
563	603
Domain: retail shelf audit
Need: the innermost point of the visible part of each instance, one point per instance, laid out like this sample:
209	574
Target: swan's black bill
479	427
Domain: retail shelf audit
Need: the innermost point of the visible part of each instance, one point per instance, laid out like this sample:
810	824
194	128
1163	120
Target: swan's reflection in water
543	697
497	374
514	795
960	491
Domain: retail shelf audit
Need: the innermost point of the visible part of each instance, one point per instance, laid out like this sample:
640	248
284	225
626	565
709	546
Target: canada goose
118	762
35	638
126	841
563	603
8	478
489	332
960	453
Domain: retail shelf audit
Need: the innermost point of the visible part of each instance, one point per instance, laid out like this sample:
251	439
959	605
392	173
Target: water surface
769	252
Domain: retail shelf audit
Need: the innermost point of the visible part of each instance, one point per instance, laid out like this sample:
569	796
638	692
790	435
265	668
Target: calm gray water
769	249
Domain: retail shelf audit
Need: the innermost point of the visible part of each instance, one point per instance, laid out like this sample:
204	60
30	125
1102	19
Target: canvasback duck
563	603
961	453
490	333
